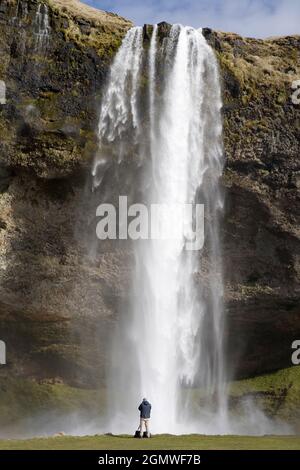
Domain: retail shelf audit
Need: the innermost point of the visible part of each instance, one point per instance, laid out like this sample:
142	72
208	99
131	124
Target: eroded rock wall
262	174
58	299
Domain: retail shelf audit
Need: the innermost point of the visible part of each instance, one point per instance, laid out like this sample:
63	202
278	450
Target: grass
105	30
21	399
278	393
159	442
283	378
28	405
81	10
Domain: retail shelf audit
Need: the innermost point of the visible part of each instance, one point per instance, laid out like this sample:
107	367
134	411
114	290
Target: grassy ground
164	441
46	408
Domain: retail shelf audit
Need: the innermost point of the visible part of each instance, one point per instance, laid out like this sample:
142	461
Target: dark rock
147	32
164	29
53	298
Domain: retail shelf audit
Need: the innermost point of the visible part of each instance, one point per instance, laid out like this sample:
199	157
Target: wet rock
58	301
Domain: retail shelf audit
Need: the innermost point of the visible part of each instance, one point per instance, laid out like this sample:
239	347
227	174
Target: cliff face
261	224
55	57
58	303
54	68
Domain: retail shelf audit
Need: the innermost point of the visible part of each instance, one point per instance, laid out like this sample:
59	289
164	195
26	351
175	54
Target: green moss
245	100
294	56
253	291
277	393
26	398
263	172
256	124
251	90
90	143
272	381
48	104
226	62
104	36
2	70
281	97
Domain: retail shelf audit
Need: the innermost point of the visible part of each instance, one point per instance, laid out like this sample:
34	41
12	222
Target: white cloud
257	18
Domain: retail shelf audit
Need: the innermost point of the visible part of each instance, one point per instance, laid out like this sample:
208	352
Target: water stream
168	346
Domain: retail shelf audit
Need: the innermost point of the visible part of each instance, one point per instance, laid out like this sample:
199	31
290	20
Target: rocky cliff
261	223
57	302
55	60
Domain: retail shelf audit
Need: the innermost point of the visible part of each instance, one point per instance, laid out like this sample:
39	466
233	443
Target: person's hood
146	402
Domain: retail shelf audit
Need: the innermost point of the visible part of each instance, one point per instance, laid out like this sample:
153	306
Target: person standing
145	413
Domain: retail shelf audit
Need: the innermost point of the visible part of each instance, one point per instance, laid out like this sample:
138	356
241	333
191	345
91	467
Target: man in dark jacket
145	412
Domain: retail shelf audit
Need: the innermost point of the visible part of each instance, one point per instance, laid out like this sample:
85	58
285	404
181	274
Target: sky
252	18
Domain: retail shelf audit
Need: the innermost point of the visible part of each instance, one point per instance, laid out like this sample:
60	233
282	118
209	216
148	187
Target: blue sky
256	18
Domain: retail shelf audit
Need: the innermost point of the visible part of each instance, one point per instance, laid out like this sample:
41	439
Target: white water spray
152	80
171	337
119	107
41	26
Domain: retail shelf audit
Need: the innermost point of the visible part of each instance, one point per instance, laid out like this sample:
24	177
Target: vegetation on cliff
53	82
261	178
28	407
53	298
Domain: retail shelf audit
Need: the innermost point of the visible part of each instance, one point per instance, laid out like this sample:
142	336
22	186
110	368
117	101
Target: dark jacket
145	409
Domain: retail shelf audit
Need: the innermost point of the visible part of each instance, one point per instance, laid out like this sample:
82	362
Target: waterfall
41	26
152	76
119	107
168	344
2	92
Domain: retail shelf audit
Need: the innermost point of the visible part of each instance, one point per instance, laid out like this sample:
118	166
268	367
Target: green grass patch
278	393
159	442
21	399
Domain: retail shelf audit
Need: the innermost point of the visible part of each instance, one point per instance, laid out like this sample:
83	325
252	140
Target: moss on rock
277	394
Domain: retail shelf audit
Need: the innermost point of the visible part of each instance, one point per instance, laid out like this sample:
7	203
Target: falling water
168	345
119	108
152	77
41	26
